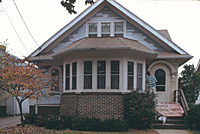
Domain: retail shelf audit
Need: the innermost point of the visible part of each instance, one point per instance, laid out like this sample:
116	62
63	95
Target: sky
45	17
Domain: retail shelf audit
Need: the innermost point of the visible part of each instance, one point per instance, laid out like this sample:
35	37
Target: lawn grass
32	129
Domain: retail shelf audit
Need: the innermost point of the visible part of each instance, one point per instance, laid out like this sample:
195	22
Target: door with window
162	75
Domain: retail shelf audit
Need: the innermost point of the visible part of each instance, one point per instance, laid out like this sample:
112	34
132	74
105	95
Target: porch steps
171	123
174	114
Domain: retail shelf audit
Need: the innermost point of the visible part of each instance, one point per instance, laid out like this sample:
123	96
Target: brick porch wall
98	105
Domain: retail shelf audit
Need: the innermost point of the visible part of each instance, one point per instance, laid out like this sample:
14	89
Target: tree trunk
20	108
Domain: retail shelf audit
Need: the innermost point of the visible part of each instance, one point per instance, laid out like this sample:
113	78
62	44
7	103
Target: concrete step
170	121
169	126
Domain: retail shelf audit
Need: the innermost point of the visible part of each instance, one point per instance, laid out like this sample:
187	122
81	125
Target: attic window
119	29
105	29
114	28
92	29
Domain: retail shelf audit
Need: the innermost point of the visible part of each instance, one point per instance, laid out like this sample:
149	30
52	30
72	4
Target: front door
162	74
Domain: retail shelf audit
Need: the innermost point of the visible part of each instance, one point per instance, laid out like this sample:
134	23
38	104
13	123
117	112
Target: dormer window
105	29
119	29
115	28
92	29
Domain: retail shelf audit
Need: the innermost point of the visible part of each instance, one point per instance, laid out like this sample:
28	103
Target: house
198	70
101	54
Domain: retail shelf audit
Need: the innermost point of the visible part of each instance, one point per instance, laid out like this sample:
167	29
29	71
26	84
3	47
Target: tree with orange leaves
21	79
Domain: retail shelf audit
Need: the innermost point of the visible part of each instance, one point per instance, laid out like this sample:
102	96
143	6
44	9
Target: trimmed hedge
58	122
193	118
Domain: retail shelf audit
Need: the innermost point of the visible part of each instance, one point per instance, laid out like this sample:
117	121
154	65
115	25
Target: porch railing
182	100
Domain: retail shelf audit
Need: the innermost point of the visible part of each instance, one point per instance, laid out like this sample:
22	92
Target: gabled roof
120	8
165	33
106	43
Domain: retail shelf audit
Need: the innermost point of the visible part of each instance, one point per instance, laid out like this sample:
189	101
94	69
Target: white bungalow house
101	54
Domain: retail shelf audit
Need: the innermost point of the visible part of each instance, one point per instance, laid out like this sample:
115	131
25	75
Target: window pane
105	27
87	74
67	79
88	82
114	74
130	75
74	75
119	26
130	82
101	74
115	67
101	67
101	80
114	81
74	68
160	88
87	67
139	76
160	76
93	28
130	68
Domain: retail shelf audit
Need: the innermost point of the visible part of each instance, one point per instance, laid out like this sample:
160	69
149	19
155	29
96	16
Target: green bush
87	124
193	118
114	125
30	119
139	110
58	122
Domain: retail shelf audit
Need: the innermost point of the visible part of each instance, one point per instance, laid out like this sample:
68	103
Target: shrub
58	122
193	118
139	110
114	125
30	119
87	124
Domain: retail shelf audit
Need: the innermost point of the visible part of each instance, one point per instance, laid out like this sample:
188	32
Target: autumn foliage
21	79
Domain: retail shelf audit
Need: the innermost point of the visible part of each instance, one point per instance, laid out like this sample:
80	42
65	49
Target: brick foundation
98	105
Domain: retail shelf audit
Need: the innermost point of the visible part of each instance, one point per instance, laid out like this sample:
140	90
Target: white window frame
112	26
123	62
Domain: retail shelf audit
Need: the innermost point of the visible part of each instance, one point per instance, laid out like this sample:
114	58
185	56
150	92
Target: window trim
112	27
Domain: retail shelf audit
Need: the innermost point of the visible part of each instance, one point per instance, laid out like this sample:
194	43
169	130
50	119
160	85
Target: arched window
160	76
55	79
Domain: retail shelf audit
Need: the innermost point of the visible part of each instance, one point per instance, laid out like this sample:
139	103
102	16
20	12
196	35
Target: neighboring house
198	70
101	54
9	105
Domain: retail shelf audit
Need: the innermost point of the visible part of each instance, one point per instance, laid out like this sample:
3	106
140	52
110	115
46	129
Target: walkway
9	121
171	131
